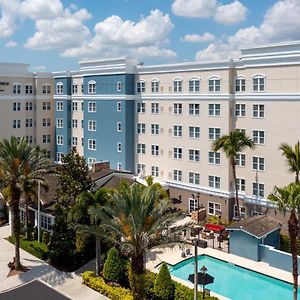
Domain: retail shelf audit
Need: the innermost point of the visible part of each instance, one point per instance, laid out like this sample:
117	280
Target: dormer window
258	83
59	88
92	87
240	84
194	85
214	84
141	86
177	85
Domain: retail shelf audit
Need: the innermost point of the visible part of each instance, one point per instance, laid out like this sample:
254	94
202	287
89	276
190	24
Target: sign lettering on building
2	84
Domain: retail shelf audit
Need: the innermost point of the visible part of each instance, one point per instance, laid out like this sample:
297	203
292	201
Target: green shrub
163	285
114	267
46	237
285	244
98	284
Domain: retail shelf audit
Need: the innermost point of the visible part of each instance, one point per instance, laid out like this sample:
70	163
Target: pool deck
172	256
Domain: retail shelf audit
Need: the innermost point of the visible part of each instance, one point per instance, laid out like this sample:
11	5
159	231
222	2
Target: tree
164	288
292	157
139	220
231	145
288	199
19	163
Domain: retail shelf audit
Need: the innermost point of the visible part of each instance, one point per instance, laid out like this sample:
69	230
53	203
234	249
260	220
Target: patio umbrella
207	278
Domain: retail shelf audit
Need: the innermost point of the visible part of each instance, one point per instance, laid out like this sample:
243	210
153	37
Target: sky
53	35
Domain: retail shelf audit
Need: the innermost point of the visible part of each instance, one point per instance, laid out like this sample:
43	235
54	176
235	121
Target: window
91	106
91	161
45	222
194	132
16	106
154	108
258	163
240	110
194	178
29	139
258	189
91	144
243	130
214	181
92	87
240	84
177	153
82	105
193	205
256	213
59	157
242	212
119	106
258	84
16	123
28	106
46	105
82	123
214	133
47	138
194	109
119	166
59	140
82	142
240	160
46	89
177	108
28	123
74	123
141	128
177	175
16	89
214	158
140	86
28	89
140	168
177	86
258	111
214	110
82	88
60	123
59	88
74	141
154	171
119	126
258	136
59	106
119	147
119	86
194	85
92	125
154	150
155	129
154	86
74	105
140	107
177	131
214	85
194	155
75	88
214	208
241	184
46	122
141	148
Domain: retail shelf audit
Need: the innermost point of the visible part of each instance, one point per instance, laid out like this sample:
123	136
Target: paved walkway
67	283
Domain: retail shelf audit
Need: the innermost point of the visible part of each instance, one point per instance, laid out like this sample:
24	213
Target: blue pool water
234	282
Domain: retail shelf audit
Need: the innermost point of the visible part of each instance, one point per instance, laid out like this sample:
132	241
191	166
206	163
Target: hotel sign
2	85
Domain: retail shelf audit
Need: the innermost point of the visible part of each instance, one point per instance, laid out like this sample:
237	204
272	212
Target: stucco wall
273	239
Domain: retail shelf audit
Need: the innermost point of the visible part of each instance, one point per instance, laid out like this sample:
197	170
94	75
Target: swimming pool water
235	282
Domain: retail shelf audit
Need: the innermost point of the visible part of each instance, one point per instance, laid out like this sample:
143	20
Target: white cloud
8	19
11	44
197	38
194	8
232	13
281	23
39	68
153	52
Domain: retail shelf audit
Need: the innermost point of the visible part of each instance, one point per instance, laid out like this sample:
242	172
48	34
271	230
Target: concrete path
67	283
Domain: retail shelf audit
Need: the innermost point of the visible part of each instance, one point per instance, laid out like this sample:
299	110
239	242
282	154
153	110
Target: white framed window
59	88
154	86
28	89
240	84
155	171
46	222
141	86
74	123
119	86
91	106
214	158
74	141
74	105
214	110
92	87
16	123
28	123
47	139
119	147
28	106
194	109
119	126
46	89
258	163
119	106
258	136
258	83
75	88
141	107
140	168
177	85
194	132
59	157
241	184
194	85
155	129
154	108
91	161
214	84
194	178
240	159
141	128
154	150
46	105
240	110
59	106
193	205
177	108
91	144
242	212
16	106
92	125
177	175
60	123
177	131
60	140
214	133
17	88
258	110
194	155
177	153
46	122
258	189
141	148
214	182
214	208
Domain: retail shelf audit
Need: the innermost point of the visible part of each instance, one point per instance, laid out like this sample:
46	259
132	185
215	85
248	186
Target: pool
235	282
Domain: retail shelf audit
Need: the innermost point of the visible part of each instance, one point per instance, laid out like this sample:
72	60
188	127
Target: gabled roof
257	226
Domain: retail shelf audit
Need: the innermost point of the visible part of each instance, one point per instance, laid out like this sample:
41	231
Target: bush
98	284
46	237
164	285
285	244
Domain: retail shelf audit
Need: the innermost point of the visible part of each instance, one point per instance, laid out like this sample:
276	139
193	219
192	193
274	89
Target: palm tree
292	157
19	163
288	199
231	144
138	220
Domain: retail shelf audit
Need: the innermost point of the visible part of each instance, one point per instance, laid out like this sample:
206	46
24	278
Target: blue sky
54	35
